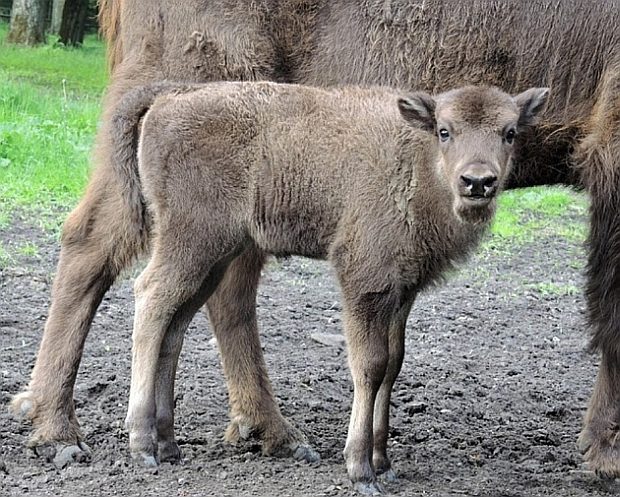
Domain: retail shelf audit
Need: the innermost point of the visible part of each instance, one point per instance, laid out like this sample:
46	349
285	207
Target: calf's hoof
369	488
601	450
143	448
388	476
144	459
169	452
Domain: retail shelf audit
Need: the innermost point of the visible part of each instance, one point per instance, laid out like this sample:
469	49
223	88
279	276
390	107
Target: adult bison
565	44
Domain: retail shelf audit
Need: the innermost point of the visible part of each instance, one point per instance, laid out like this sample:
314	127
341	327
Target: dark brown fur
391	189
564	44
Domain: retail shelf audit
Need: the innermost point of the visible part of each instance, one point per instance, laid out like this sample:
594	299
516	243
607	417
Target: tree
69	20
28	22
58	6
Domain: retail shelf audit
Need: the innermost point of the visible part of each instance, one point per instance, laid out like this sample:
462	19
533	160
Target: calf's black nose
474	185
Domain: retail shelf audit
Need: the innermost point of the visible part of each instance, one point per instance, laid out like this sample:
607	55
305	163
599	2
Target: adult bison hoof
280	439
293	444
300	451
369	488
601	450
61	454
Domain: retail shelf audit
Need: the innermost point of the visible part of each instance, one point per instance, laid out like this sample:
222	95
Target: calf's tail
125	131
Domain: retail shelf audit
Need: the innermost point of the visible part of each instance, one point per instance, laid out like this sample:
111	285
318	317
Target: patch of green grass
555	289
5	217
28	249
50	101
526	214
52	66
5	257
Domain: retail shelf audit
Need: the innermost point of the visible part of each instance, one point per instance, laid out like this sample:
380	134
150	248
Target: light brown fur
361	177
564	44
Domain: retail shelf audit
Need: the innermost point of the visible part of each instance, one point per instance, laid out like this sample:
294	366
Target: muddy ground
494	386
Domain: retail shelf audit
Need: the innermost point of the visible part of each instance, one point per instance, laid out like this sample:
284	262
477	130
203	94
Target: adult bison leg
232	312
96	245
599	155
381	422
601	430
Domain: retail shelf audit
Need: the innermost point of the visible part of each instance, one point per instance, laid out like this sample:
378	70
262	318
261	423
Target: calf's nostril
489	181
467	181
478	186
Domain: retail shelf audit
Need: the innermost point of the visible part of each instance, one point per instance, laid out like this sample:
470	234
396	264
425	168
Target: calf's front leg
396	347
366	321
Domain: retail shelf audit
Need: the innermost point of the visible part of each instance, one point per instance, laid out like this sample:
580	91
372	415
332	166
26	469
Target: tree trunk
73	23
58	8
28	22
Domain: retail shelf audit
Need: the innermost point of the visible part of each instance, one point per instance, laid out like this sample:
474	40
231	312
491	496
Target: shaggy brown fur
564	44
391	189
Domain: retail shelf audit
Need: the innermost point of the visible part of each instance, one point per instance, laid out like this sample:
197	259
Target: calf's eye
510	136
444	135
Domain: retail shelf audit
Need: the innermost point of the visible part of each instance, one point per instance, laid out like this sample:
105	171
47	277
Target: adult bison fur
432	45
391	189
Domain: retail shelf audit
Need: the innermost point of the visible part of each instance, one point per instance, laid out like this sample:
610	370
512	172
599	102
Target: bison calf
393	189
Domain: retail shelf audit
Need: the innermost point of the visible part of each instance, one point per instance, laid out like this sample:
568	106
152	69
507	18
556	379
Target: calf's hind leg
96	245
168	294
232	313
167	448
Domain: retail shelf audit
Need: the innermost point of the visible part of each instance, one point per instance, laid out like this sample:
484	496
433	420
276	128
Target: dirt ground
489	403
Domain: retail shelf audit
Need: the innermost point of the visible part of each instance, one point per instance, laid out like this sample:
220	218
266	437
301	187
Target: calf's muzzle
478	181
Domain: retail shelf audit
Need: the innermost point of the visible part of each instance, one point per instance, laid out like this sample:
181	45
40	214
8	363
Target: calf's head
475	130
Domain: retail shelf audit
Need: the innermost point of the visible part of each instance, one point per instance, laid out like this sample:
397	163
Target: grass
529	213
81	69
6	259
555	289
50	99
28	249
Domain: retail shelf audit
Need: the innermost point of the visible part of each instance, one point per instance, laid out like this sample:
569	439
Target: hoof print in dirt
62	455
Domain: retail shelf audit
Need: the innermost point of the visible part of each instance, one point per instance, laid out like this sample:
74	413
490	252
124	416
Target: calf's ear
531	103
418	109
